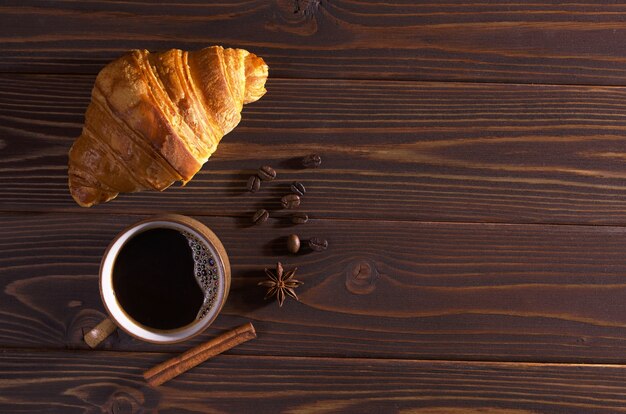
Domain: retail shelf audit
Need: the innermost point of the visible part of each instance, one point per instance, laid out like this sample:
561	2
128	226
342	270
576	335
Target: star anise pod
281	284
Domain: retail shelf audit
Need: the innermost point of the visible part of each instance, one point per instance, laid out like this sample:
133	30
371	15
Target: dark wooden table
473	192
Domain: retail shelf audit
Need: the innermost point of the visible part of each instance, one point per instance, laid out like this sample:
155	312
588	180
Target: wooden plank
76	382
392	150
525	41
382	289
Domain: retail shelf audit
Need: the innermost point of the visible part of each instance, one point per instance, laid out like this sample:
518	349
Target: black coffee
154	278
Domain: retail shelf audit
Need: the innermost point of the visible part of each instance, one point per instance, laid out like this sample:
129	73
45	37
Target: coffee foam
205	271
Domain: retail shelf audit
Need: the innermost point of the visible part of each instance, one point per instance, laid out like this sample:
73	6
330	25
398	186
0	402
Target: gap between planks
141	215
366	80
7	350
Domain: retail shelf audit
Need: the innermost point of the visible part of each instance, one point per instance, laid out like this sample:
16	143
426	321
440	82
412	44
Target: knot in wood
361	277
299	17
307	8
122	405
124	401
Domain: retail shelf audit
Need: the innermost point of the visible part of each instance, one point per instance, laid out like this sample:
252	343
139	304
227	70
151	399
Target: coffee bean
266	173
311	161
293	243
299	218
316	244
260	216
298	188
254	183
290	201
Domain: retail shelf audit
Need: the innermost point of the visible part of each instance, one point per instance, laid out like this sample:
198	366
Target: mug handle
100	333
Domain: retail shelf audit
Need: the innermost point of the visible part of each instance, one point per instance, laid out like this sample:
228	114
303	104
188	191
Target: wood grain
525	41
392	150
382	289
78	382
444	137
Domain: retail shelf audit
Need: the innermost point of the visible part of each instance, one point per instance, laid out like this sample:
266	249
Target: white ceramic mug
118	318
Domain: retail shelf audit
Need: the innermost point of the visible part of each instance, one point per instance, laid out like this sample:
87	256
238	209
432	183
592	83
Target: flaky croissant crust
156	118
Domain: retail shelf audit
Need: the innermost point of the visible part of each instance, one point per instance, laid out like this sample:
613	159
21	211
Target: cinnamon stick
169	369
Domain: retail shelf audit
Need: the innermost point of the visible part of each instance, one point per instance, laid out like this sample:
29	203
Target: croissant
156	118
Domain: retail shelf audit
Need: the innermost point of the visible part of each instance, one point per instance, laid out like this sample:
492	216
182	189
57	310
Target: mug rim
160	336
